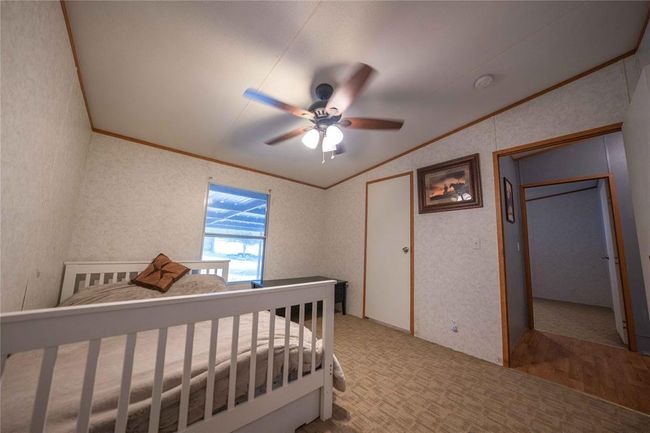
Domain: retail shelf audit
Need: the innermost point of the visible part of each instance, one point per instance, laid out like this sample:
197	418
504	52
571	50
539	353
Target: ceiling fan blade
345	94
365	123
257	96
288	135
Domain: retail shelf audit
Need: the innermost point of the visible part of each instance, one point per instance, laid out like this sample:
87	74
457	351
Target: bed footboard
32	330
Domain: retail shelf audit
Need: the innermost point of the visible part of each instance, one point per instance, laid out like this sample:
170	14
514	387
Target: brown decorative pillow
160	274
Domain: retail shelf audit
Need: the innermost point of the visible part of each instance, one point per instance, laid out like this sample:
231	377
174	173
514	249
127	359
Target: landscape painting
450	185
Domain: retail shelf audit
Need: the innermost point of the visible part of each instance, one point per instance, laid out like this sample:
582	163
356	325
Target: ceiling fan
326	113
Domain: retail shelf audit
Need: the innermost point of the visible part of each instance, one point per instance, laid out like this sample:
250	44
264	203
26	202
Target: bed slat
39	412
85	407
314	330
328	352
287	330
301	337
253	360
232	378
187	369
125	386
154	414
269	371
209	387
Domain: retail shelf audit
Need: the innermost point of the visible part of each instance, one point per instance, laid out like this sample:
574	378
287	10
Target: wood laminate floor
612	373
398	383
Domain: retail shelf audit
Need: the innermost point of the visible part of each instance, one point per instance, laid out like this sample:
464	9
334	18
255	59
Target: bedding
190	284
21	373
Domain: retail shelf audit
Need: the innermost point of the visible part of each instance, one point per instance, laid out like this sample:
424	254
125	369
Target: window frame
204	234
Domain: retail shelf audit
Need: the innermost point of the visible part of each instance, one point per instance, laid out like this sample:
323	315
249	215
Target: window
235	230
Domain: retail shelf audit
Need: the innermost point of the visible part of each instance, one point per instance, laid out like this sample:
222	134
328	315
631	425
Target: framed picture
510	201
451	185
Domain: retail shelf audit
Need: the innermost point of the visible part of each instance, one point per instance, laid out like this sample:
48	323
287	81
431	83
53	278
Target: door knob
405	249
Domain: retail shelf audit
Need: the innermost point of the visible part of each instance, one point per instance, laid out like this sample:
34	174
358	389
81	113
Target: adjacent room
570	240
278	217
574	204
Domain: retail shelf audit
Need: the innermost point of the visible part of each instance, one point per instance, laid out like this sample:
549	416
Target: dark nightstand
340	289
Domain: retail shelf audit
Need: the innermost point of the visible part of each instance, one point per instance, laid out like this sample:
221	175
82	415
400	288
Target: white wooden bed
278	409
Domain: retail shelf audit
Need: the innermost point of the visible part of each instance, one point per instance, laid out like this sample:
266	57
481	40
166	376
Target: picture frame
509	197
450	185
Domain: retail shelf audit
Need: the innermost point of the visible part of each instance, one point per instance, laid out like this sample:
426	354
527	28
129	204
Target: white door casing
612	260
388	251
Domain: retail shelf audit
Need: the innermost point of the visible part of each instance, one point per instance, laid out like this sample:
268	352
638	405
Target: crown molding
76	60
197	156
494	113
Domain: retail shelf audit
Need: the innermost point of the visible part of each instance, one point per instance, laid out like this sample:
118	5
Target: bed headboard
87	274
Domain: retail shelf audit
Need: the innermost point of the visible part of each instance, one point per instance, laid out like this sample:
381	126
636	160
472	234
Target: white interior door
388	254
612	260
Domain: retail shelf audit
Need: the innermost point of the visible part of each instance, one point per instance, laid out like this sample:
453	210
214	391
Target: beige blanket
19	380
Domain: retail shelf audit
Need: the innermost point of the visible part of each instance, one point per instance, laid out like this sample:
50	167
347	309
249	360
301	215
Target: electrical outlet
476	243
454	326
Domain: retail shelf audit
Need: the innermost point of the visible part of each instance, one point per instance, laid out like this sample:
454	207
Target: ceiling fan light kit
311	139
325	113
333	136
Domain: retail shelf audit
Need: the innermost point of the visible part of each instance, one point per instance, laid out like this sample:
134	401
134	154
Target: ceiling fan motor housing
324	91
323	119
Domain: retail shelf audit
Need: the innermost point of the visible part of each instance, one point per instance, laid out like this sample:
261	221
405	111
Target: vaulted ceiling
173	73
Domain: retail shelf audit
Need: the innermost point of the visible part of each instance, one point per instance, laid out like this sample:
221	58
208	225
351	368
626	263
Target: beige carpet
397	383
584	322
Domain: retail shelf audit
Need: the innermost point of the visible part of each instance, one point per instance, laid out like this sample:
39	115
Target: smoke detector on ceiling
483	81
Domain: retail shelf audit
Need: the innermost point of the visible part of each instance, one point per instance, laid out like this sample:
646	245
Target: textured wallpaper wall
45	136
454	281
137	201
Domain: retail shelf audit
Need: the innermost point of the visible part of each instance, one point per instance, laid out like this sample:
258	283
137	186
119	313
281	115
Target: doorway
571	157
591	162
573	273
388	252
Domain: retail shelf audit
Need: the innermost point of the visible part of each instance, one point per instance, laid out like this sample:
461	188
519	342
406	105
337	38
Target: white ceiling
174	73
